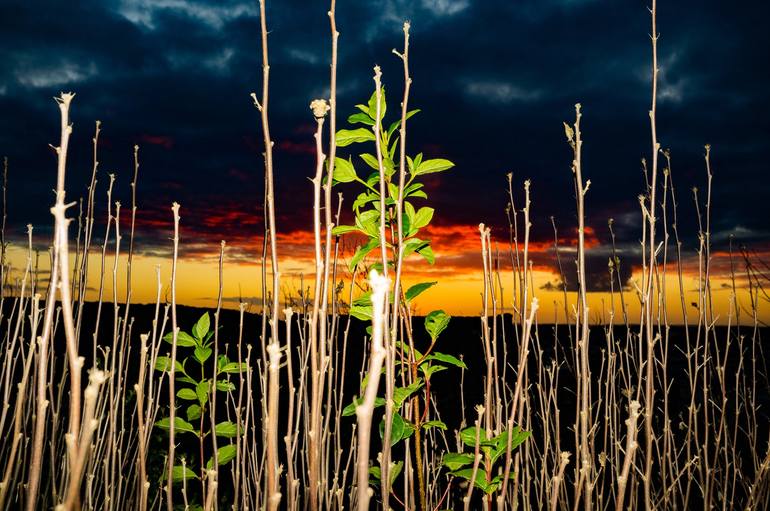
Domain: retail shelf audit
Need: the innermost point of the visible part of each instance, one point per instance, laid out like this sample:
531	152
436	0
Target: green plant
366	206
397	229
197	379
461	464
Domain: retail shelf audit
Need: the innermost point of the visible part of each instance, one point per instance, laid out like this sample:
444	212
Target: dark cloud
494	79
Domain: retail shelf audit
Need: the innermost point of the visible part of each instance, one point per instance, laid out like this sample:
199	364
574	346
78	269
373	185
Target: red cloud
159	140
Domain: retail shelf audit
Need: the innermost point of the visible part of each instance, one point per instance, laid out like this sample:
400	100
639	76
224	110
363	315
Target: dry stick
291	480
400	257
89	229
561	273
129	262
90	423
213	408
320	108
61	224
389	367
630	451
476	459
272	460
112	412
328	206
484	236
557	478
584	414
143	483
648	302
171	378
365	410
33	481
18	414
518	391
240	441
273	495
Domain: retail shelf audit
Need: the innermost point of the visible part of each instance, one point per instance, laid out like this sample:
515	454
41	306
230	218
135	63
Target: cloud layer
494	80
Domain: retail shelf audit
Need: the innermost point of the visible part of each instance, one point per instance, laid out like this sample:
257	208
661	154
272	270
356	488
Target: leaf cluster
196	380
368	203
460	464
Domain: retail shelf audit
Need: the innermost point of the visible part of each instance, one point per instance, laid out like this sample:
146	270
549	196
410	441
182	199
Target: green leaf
395	471
447	359
182	339
457	460
373	104
418	289
427	253
164	364
518	436
369	216
422	217
179	473
400	394
413	245
235	367
370	160
393	191
413	187
201	328
431	166
376	475
364	198
468	436
202	391
225	455
193	412
434	424
429	369
344	172
344	229
347	137
436	322
416	353
225	385
373	180
362	312
409	211
361	118
351	408
363	252
187	394
202	354
480	481
226	429
400	429
397	124
180	425
368	223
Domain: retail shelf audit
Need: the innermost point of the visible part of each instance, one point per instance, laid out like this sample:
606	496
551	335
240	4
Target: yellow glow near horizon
458	293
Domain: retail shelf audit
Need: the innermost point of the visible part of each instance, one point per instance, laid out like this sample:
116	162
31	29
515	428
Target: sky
494	80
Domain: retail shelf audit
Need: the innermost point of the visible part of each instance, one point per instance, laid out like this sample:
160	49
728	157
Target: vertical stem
583	419
33	481
171	373
320	108
648	298
365	410
262	106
